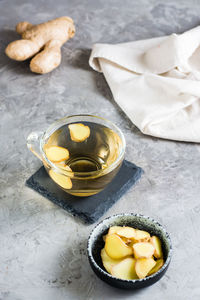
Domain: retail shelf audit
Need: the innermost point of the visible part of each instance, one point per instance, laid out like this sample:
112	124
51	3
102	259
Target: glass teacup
81	153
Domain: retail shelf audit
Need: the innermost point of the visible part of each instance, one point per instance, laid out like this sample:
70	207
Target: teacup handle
33	143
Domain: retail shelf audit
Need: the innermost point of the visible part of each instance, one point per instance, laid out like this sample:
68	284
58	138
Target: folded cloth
156	82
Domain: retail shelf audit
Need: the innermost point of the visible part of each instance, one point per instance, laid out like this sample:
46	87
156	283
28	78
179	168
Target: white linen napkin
156	82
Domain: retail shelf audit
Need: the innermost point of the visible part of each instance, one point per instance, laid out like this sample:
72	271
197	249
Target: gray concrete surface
42	248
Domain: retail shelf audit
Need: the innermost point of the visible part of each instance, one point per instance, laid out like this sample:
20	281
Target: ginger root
47	38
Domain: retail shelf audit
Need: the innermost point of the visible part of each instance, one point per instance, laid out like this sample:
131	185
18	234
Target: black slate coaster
89	209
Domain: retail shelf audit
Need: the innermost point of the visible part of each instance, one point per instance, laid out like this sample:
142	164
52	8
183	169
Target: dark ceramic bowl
96	243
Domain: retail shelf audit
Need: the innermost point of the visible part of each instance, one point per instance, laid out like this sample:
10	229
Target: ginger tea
84	152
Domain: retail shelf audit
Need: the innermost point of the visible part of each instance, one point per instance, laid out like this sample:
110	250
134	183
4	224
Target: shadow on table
77	277
20	67
82	61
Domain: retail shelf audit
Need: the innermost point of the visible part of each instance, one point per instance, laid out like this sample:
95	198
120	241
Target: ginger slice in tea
65	167
79	132
57	153
62	180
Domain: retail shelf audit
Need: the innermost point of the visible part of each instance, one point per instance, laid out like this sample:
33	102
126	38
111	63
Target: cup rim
82	175
90	256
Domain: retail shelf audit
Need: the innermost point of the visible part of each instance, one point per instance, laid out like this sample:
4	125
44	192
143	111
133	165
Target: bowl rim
90	256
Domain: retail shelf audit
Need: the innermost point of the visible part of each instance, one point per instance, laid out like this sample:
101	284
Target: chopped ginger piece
141	236
158	266
143	266
107	261
155	241
116	248
127	232
143	249
113	229
125	269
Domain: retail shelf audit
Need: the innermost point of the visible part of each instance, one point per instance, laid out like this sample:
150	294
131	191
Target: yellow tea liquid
97	152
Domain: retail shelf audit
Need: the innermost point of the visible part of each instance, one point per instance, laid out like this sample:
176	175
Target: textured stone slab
89	209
